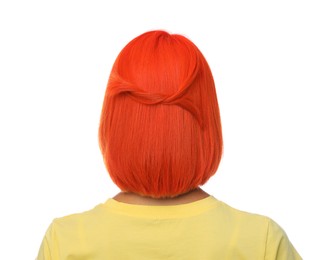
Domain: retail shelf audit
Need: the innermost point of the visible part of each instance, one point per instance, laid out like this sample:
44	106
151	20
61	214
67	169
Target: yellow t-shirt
205	229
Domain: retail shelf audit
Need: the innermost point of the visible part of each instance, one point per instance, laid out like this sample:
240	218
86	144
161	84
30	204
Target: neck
133	198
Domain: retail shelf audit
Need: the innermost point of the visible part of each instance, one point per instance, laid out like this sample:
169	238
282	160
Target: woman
160	137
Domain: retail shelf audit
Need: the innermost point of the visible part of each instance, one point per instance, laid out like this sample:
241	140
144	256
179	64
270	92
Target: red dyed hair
160	130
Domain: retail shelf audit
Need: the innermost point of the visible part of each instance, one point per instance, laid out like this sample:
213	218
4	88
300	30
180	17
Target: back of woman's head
160	130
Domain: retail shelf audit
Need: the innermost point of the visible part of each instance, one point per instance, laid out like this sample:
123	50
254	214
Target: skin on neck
133	198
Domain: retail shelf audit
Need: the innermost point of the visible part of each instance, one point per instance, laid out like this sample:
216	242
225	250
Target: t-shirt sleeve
278	245
48	249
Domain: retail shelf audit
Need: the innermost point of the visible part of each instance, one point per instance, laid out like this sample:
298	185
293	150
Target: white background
271	64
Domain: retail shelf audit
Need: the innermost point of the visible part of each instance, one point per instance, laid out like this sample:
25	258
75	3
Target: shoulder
244	217
66	234
246	228
73	222
252	227
255	226
278	245
255	221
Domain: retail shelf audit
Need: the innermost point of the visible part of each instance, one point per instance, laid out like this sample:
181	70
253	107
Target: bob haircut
160	131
